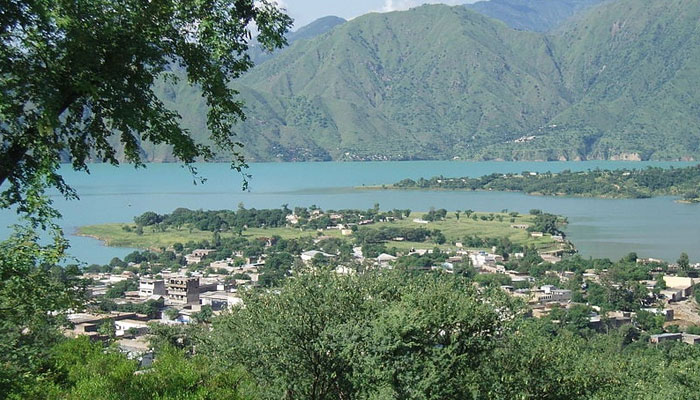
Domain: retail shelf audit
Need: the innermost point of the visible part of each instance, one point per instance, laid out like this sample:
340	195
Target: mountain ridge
440	82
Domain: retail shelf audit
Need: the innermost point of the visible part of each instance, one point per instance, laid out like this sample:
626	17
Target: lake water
656	227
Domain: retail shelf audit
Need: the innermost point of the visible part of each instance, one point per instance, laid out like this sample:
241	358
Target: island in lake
623	183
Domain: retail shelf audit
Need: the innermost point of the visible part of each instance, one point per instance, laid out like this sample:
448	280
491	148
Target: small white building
307	256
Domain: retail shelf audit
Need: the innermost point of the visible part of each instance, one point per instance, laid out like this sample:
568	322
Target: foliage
73	89
380	334
34	297
623	183
481	85
85	370
118	289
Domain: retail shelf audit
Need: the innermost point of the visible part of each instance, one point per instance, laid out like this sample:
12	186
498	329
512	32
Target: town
189	283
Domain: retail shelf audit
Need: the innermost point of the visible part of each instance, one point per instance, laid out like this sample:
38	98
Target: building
665	337
385	258
307	256
691	339
682	284
127	326
672	294
183	290
151	287
550	294
220	300
197	255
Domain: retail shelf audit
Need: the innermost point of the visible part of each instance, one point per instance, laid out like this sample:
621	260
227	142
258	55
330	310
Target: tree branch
9	160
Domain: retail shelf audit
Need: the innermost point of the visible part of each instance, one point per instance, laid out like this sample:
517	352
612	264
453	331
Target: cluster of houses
183	293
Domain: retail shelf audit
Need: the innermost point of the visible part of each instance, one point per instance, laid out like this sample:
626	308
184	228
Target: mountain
310	31
438	82
532	15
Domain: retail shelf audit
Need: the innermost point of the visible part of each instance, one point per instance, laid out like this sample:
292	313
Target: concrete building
124	325
182	290
683	284
220	300
549	294
665	337
691	339
151	287
197	255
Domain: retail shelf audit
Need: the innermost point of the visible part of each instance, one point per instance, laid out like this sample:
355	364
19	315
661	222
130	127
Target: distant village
210	282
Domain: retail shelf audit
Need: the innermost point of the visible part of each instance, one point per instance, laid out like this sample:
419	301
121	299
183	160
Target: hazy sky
305	11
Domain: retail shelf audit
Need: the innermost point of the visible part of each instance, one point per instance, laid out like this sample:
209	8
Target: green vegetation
439	82
78	83
445	229
380	335
622	183
258	54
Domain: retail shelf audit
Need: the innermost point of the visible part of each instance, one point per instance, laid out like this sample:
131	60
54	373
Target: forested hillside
438	82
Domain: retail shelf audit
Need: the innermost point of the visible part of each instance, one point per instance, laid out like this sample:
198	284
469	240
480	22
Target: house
183	290
552	259
88	324
683	284
536	234
197	255
385	258
126	326
691	339
219	300
151	287
665	337
550	294
307	256
672	294
520	226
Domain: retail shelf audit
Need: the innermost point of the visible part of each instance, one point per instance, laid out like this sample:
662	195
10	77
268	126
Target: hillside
439	82
532	15
310	31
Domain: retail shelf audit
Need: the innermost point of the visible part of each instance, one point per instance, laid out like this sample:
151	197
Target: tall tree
76	77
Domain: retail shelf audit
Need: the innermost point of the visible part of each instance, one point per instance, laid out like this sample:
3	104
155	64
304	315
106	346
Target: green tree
204	315
377	335
107	328
33	304
86	370
684	262
78	77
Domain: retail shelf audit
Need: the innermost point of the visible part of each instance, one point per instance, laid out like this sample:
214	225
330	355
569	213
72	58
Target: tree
377	335
33	304
85	370
204	315
78	77
684	262
107	328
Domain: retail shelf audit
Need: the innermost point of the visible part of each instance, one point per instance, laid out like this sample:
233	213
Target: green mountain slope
441	82
310	31
532	15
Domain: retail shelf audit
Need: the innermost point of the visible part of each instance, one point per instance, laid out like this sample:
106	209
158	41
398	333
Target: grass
453	229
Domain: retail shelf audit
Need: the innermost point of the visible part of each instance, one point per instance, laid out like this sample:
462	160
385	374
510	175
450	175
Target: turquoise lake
656	227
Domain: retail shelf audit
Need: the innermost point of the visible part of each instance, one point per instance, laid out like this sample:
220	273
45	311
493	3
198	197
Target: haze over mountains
618	81
532	15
